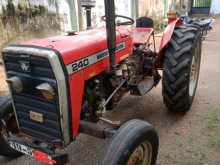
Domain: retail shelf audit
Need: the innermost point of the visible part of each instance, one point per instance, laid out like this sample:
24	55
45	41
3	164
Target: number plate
38	117
21	148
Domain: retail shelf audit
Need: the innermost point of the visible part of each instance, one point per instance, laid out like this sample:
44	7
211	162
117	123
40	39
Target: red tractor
60	87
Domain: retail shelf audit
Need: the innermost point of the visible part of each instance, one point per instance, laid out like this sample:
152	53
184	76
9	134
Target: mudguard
167	34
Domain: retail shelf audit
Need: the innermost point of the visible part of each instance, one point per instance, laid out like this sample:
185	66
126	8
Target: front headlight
16	84
47	91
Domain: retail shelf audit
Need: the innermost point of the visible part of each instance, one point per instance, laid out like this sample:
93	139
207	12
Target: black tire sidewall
170	89
129	142
5	149
133	145
197	43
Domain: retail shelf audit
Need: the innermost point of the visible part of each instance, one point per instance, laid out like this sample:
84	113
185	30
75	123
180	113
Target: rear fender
167	35
168	32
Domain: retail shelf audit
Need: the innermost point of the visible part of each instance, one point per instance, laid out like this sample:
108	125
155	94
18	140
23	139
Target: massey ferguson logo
25	66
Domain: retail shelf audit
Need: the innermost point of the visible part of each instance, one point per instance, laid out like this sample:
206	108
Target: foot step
143	87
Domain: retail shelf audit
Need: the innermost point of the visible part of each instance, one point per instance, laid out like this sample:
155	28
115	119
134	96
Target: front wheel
5	109
136	142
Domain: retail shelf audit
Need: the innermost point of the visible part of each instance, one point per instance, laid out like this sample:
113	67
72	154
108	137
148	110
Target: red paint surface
142	35
84	44
168	32
43	157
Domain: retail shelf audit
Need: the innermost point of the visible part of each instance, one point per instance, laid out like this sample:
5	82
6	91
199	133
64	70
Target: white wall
215	7
123	7
44	3
64	11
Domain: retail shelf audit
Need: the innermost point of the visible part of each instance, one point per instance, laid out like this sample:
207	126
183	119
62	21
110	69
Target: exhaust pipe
111	31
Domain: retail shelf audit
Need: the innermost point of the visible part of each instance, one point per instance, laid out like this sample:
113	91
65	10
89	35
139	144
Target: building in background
200	7
72	19
37	16
28	19
123	7
158	9
215	7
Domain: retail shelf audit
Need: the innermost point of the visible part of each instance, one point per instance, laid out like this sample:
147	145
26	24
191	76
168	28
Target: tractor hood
81	44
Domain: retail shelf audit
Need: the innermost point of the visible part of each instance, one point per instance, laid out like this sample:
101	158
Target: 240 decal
80	65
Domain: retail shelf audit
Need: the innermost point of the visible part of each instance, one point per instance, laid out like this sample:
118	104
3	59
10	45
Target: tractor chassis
45	154
39	152
136	74
42	153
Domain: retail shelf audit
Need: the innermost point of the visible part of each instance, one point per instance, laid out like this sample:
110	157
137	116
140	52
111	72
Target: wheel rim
194	73
142	155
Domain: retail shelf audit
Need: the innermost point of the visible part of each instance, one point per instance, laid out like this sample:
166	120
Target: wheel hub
142	155
194	73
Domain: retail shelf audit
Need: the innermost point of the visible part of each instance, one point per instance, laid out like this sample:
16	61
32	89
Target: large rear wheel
135	143
181	69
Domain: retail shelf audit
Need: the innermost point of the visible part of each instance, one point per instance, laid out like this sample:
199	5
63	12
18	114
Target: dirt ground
192	139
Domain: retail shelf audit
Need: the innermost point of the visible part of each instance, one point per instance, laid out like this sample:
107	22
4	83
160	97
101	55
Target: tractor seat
144	22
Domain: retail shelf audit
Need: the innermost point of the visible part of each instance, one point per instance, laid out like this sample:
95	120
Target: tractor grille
31	100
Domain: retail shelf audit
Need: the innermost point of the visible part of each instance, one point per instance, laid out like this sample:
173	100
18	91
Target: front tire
5	109
181	69
136	142
7	151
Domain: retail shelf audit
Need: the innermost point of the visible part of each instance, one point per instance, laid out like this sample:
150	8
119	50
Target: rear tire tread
177	63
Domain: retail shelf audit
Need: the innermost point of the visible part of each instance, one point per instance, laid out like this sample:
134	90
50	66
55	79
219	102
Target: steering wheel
129	22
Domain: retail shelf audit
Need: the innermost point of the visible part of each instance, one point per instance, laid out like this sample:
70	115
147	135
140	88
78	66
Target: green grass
213	119
192	162
214	142
212	128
